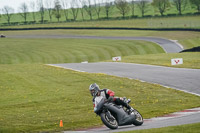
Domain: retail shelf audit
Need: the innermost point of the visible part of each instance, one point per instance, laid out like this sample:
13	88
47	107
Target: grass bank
15	51
35	97
78	50
187	22
190	59
188	39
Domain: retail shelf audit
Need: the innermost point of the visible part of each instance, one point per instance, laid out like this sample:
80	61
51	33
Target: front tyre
109	122
138	118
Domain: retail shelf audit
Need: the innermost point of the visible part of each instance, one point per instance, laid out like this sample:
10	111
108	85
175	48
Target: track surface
168	45
177	78
179	118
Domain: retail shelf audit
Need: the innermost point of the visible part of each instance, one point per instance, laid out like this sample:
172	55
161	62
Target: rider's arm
94	105
110	93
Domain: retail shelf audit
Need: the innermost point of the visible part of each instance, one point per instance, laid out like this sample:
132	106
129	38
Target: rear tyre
138	118
110	123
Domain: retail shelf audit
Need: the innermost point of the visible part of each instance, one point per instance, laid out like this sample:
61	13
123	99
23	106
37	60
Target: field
187	22
69	50
114	14
35	96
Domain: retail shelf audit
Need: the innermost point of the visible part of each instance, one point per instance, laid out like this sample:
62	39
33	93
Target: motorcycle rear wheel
112	124
139	119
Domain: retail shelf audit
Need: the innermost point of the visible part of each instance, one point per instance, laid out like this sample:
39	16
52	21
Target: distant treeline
82	10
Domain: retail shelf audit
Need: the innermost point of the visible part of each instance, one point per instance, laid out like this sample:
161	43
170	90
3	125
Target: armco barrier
100	28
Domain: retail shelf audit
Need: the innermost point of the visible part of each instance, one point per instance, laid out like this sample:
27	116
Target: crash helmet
94	89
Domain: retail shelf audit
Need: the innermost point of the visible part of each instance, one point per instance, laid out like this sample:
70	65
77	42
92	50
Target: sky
15	4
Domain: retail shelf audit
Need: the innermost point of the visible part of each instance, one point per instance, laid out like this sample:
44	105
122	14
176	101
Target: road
189	116
168	45
178	78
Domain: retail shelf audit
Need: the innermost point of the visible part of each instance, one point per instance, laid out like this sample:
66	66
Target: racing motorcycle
113	115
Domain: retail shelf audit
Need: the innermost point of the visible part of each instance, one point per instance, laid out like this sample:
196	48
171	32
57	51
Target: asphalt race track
178	118
178	78
168	45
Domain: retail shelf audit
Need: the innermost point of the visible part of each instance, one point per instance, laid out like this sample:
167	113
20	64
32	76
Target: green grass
14	51
35	97
114	14
190	128
161	22
188	39
190	59
78	50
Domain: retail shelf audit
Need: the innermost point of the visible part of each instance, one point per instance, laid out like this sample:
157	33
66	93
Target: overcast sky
15	4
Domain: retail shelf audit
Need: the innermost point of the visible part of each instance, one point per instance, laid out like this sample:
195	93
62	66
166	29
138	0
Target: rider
107	94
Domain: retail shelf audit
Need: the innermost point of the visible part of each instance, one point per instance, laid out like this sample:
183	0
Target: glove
111	99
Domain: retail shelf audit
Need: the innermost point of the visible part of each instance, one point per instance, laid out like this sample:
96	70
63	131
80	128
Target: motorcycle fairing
122	117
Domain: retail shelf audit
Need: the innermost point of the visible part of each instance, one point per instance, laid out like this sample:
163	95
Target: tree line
62	8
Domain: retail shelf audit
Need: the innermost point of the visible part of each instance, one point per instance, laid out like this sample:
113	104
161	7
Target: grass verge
78	50
187	22
35	97
15	51
188	39
190	59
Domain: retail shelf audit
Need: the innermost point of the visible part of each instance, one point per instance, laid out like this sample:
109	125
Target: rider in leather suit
107	94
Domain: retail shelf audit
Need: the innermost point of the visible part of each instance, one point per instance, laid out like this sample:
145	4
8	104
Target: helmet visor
92	92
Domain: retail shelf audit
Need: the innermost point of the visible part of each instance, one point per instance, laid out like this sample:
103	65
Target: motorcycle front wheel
110	123
138	118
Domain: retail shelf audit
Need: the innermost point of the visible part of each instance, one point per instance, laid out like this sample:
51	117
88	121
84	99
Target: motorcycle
113	115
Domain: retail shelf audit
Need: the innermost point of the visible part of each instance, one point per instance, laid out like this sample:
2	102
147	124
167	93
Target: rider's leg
120	101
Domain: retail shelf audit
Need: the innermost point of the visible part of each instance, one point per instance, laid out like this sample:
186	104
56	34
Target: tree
74	9
196	3
82	8
57	9
32	5
122	6
0	14
8	12
65	6
162	5
41	10
24	11
88	8
180	5
143	6
108	8
132	5
97	7
49	5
